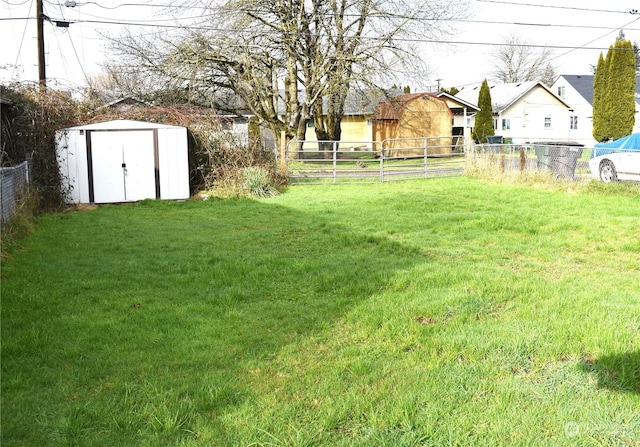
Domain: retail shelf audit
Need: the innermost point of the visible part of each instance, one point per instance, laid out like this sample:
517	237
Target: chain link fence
562	161
13	183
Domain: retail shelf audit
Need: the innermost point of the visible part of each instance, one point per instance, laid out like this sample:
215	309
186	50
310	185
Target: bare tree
520	61
287	60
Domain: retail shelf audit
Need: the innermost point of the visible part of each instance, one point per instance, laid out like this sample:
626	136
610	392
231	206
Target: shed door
123	165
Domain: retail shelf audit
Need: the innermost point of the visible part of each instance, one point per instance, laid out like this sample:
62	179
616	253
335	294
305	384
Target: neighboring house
463	112
359	107
408	119
525	112
577	90
124	104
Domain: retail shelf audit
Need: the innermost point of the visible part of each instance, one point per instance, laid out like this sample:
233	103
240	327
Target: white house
525	112
577	90
462	111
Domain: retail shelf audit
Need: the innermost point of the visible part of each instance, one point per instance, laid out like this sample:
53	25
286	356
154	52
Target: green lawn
436	312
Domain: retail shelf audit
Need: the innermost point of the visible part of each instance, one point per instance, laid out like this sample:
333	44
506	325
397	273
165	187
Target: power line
633	11
155	23
24	32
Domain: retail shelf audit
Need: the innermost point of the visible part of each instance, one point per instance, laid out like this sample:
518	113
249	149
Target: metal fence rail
373	161
13	182
560	161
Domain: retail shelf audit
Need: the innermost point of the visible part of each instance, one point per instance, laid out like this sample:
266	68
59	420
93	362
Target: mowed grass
439	312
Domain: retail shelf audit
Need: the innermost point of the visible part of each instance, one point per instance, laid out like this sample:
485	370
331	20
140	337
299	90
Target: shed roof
123	125
394	108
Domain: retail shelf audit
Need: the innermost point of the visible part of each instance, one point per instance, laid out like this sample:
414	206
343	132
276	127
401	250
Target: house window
561	91
547	122
495	123
310	124
573	124
506	124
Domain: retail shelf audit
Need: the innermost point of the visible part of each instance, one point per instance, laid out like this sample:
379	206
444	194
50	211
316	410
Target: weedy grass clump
20	225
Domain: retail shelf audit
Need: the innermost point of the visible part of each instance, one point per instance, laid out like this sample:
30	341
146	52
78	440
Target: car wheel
608	172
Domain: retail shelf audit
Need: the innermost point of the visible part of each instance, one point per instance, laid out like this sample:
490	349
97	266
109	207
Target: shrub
29	130
239	169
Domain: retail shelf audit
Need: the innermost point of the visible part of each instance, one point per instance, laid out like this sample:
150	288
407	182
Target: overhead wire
24	33
160	25
572	8
594	40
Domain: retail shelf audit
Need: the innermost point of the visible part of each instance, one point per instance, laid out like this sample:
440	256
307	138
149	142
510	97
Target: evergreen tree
621	105
599	88
614	87
484	118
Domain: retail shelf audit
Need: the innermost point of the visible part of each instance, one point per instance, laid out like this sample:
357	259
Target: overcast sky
576	30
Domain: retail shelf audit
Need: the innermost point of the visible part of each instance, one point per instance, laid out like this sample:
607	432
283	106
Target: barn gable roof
394	108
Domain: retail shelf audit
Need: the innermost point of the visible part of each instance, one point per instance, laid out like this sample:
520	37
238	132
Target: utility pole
42	77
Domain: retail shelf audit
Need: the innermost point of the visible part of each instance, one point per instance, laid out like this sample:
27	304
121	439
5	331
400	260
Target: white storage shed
123	161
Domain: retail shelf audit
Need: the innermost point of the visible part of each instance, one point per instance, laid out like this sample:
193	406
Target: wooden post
42	77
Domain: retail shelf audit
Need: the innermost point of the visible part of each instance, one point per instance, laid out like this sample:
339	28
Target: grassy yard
440	312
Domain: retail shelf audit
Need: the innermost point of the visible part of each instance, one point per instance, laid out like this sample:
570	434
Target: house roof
359	102
583	84
124	101
365	102
504	96
461	103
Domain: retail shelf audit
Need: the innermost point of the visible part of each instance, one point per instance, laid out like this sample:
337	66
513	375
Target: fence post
424	143
381	161
335	161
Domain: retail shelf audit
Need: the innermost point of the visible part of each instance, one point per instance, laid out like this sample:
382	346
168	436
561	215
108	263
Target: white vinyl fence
13	182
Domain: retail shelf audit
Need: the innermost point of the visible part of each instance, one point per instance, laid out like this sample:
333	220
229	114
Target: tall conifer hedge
614	92
484	118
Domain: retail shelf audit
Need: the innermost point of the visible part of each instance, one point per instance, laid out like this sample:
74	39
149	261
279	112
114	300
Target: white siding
119	142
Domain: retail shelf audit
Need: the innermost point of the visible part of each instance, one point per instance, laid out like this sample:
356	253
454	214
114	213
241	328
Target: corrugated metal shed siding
115	141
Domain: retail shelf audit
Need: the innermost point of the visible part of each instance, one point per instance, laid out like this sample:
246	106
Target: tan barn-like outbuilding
405	122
